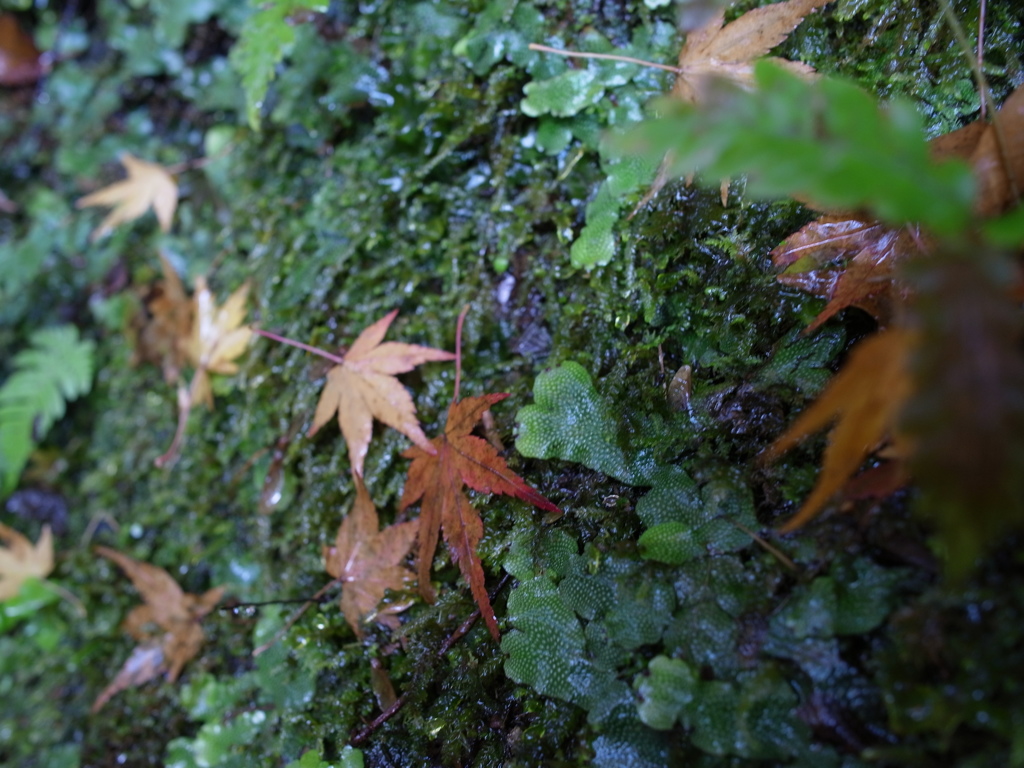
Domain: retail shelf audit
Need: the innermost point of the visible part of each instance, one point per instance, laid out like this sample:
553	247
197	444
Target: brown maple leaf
168	608
713	51
148	186
367	561
855	260
20	560
459	458
163	327
864	399
20	61
362	387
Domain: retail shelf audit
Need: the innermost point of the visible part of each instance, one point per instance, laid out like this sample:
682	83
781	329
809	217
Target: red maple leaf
437	480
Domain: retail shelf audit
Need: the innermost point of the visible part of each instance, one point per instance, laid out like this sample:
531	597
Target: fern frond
57	367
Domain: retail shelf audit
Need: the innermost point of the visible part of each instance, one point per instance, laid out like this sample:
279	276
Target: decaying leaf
458	458
855	262
20	560
363	387
148	186
20	62
864	400
368	562
728	52
164	325
166	625
856	259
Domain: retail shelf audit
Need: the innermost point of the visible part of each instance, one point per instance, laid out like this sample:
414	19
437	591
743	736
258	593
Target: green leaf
667	687
545	648
266	38
563	95
56	368
32	596
571	421
684	528
826	140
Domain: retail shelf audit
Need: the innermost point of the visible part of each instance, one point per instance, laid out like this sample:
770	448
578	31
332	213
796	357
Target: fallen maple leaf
436	477
20	561
169	608
867	279
163	328
362	386
217	339
864	399
728	52
20	61
148	186
367	561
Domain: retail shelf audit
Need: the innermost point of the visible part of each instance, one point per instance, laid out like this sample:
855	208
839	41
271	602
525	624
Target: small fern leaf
56	368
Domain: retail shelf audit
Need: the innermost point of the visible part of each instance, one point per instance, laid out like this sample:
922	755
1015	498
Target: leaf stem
313	350
458	352
295	617
602	56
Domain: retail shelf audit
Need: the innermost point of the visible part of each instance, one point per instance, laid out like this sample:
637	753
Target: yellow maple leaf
218	337
148	186
864	400
20	561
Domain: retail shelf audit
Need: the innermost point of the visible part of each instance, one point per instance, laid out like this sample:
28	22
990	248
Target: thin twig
295	617
603	56
981	50
67	595
184	409
984	94
769	547
314	350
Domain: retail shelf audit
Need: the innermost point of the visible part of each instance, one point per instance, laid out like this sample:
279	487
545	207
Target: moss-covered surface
398	167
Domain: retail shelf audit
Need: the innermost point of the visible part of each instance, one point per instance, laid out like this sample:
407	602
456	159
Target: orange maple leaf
864	399
362	387
458	458
368	561
170	609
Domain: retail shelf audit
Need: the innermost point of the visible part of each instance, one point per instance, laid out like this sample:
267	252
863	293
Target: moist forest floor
396	168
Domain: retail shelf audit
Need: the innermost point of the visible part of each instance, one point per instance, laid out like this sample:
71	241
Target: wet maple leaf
436	477
168	608
367	561
864	400
20	560
362	387
856	260
713	51
148	186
